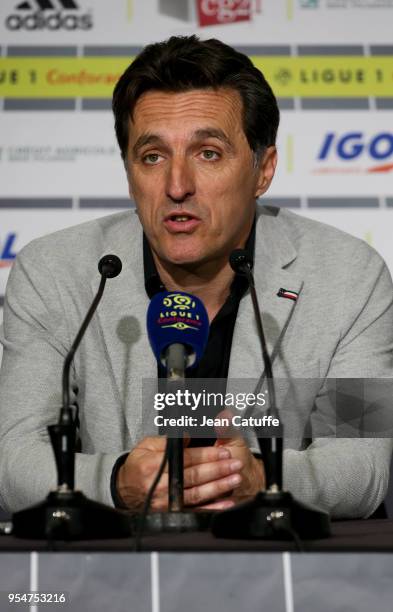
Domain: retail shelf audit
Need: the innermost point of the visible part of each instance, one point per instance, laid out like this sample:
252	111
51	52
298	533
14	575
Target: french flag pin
287	293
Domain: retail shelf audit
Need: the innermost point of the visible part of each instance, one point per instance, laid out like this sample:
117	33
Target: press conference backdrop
330	65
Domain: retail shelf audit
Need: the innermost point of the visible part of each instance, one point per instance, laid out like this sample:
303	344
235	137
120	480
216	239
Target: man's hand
252	474
210	474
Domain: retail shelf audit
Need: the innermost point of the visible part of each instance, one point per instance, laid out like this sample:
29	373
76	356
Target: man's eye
151	158
209	154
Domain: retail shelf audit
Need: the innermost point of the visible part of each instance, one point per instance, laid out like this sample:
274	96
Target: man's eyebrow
149	138
213	133
146	139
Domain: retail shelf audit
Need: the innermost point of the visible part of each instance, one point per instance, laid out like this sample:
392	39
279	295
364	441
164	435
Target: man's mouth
181	222
180	218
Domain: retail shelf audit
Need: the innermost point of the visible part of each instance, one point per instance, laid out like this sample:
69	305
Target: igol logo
356	145
48	15
7	252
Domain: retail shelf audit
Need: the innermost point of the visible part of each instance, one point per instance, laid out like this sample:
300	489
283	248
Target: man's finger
209	472
222	504
204	454
211	490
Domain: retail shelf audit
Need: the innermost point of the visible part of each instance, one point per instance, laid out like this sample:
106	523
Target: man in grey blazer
196	125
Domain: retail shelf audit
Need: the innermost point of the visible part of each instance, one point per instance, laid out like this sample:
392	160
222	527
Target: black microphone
271	448
67	514
273	513
62	435
241	261
109	266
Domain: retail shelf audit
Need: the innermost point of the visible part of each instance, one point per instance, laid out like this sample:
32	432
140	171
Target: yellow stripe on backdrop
60	77
324	76
95	77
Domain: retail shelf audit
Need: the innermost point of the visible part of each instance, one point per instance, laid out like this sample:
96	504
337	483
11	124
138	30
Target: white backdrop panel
60	154
76	154
137	22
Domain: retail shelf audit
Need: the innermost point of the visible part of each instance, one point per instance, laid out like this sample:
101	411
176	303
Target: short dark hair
183	63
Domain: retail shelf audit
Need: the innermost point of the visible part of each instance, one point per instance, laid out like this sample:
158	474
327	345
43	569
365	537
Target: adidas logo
44	5
48	15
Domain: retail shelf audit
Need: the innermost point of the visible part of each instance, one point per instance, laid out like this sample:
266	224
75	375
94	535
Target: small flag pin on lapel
287	293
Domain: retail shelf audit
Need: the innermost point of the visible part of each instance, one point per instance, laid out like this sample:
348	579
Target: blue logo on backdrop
7	251
358	146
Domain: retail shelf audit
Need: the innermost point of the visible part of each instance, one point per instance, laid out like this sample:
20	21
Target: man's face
192	174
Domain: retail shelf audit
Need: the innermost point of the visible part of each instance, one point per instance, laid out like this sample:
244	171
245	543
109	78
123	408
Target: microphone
178	329
241	261
67	514
273	513
271	448
109	266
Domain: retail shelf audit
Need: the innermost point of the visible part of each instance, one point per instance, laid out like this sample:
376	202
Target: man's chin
177	248
184	258
184	261
186	254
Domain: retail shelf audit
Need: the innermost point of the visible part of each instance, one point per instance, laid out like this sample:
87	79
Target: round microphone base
70	515
272	516
174	522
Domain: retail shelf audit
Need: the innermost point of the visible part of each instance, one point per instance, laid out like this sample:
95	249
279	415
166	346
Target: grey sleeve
348	477
35	341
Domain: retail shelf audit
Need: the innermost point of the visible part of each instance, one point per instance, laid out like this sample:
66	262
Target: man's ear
266	168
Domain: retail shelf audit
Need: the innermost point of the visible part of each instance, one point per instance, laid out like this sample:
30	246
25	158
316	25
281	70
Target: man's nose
180	183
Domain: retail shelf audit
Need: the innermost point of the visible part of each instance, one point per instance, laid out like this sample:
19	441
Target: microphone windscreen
110	266
175	317
239	259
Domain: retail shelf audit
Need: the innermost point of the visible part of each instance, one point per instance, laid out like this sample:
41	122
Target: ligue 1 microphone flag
177	318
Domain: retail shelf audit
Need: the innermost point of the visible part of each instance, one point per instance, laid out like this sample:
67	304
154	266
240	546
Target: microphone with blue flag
178	328
177	319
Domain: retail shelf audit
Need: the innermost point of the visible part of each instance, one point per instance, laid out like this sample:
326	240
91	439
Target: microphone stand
66	513
272	513
176	520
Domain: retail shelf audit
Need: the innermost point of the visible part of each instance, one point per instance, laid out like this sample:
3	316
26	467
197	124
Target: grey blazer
340	326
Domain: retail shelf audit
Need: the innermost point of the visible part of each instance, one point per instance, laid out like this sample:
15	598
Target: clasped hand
215	477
